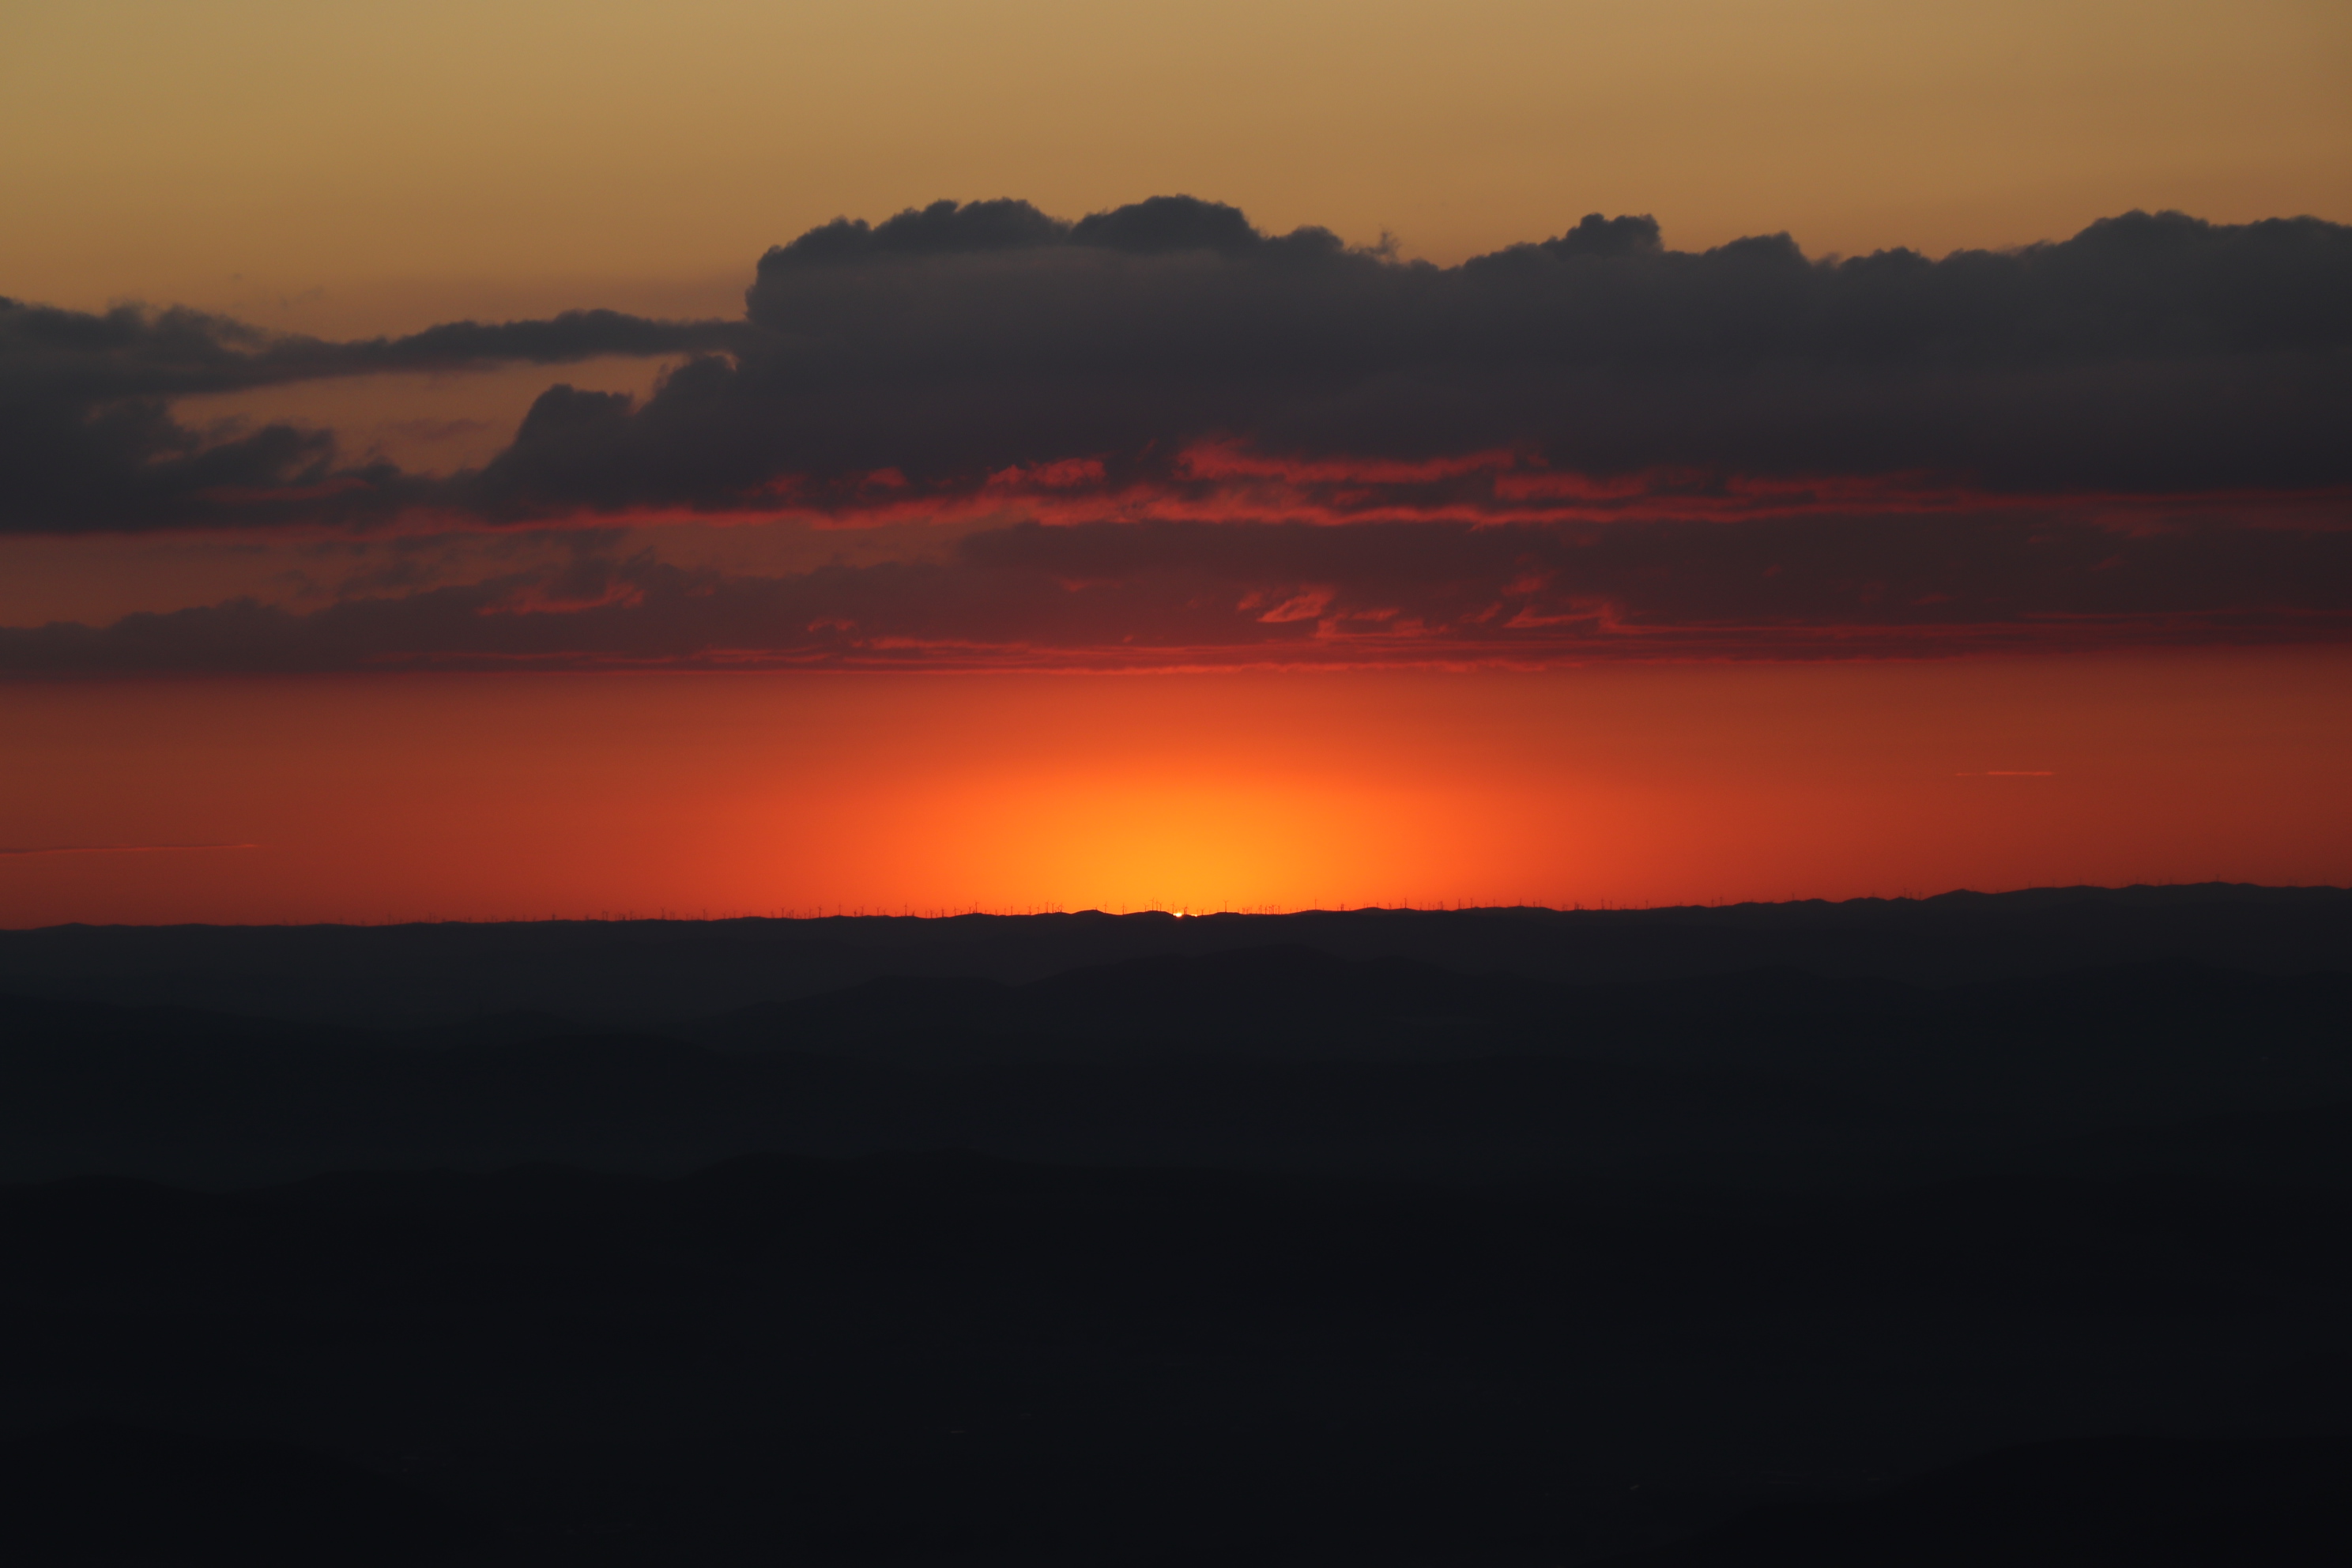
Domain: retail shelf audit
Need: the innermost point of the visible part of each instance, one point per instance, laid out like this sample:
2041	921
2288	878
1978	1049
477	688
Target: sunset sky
519	459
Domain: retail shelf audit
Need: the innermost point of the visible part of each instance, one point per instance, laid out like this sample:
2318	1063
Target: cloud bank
1149	419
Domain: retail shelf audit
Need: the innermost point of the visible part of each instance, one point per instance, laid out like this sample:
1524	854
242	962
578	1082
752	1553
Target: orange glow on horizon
490	797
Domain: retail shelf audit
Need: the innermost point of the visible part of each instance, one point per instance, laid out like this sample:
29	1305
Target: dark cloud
132	351
88	440
1589	445
944	228
1176	593
935	350
2147	354
1158	226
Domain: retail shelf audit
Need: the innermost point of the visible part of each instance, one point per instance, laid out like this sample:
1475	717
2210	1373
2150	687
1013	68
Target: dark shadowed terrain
1978	1230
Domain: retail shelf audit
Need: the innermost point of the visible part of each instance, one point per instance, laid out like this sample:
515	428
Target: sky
515	460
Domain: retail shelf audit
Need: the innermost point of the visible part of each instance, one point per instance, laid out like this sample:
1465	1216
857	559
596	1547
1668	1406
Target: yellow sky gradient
362	166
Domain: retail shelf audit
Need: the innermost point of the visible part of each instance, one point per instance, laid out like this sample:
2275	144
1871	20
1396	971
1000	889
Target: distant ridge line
829	916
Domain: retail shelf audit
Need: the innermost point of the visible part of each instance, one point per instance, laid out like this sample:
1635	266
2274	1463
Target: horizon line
824	914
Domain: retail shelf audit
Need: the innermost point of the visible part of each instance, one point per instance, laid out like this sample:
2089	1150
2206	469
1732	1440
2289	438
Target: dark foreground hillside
1271	1251
951	1359
650	973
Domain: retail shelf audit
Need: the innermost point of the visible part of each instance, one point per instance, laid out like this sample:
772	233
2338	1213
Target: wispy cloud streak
115	848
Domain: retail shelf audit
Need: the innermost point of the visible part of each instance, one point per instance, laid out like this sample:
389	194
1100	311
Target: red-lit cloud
1161	594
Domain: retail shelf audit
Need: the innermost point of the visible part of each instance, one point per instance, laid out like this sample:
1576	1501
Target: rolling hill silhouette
1996	1230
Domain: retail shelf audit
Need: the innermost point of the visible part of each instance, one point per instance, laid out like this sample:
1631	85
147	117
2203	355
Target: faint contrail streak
120	848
